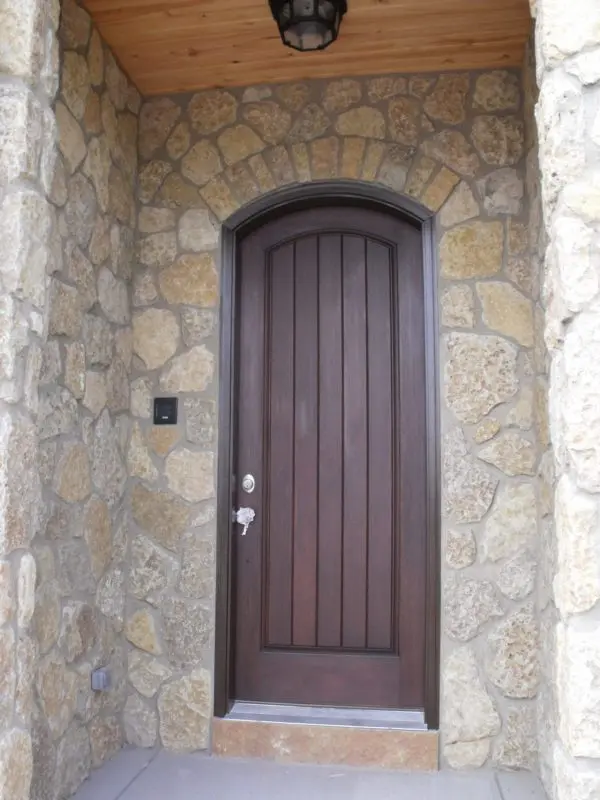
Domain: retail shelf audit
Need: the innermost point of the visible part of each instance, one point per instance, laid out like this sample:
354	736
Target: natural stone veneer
457	143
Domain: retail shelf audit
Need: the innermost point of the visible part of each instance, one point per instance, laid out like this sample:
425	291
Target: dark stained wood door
330	580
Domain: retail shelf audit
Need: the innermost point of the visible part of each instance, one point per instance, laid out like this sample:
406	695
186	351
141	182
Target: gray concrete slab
162	776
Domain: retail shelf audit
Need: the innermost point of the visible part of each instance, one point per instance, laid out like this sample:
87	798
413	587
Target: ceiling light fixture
308	24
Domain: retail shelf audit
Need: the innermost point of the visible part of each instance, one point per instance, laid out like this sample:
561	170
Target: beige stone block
7	599
8	676
373	158
155	220
262	173
46	616
184	710
98	534
141	398
110	597
364	121
92	116
439	189
499	140
140	630
108	471
106	737
56	691
385	87
70	137
140	722
507	311
404	120
202	163
293	95
238	143
155	336
324	158
486	430
197	324
197	231
163	516
219	198
280	164
75	83
472	250
270	121
191	280
163	438
468	605
242	182
146	674
467	755
573	778
95	396
72	481
191	372
16	764
78	631
139	460
179	141
511	454
446	102
341	95
151	178
454	151
157	119
461	548
97	167
463	688
145	292
176	193
512	655
211	110
457	307
311	123
468	489
497	91
190	474
419	175
516	578
352	158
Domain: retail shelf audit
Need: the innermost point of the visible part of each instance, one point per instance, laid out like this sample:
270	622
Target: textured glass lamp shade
308	24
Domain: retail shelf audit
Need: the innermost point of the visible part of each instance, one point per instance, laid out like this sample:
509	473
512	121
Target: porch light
308	24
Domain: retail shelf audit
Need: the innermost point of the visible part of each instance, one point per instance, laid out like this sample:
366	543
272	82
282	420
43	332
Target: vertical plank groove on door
304	610
329	583
380	446
280	350
355	443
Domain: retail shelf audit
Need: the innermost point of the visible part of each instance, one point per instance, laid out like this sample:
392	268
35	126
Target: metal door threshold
317	715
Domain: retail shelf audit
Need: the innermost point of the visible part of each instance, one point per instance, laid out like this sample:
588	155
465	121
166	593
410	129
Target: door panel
330	579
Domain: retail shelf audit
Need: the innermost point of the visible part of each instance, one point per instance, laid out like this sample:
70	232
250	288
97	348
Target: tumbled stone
140	722
65	310
239	142
162	438
150	570
363	121
457	307
211	110
420	173
187	630
404	115
196	325
110	596
439	189
262	173
75	24
468	489
454	151
472	250
141	398
293	95
105	739
270	121
178	142
98	340
311	123
81	272
446	102
146	674
116	83
192	279
467	755
46	615
219	198
113	297
75	82
177	193
99	247
155	336
160	514
480	374
92	116
190	474
486	430
201	417
75	571
56	691
96	59
72	481
196	577
511	525
501	191
97	168
155	220
468	711
511	454
512	654
158	249
517	747
70	137
280	164
145	292
201	163
468	605
157	118
139	460
98	534
499	140
108	471
340	95
80	210
516	578
395	166
151	178
461	549
352	158
78	630
140	630
386	87
497	91
197	232
16	764
191	372
242	182
95	396
184	707
507	311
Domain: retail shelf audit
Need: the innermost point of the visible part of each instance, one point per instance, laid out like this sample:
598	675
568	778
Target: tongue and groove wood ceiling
181	45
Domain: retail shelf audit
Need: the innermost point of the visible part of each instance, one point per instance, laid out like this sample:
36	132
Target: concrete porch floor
156	775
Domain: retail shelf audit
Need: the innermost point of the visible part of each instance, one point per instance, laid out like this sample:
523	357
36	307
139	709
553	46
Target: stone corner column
28	82
568	118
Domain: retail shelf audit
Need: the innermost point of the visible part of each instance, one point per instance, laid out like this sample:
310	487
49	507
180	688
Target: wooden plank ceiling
180	45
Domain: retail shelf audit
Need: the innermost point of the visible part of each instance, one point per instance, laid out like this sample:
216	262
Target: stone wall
28	83
81	542
568	117
456	142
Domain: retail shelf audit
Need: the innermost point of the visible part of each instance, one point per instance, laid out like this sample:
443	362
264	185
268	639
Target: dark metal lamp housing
308	24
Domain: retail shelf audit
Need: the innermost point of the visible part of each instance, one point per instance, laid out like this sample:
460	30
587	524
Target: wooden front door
330	580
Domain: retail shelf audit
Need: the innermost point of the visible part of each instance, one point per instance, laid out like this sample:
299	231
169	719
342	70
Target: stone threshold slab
293	742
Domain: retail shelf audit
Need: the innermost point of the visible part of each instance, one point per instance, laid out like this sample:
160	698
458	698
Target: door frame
266	208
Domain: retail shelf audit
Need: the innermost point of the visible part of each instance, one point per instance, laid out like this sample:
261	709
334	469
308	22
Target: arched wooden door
329	584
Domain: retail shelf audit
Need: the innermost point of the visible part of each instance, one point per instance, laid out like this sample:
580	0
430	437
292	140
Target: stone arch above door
455	144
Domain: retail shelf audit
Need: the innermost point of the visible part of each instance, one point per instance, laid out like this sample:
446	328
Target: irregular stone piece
110	596
512	654
138	458
517	747
95	396
98	340
184	709
499	140
311	123
446	102
105	739
197	232
141	398
469	604
146	674
140	722
511	525
56	691
192	279
438	190
162	515
196	577
507	311
73	760
212	110
239	142
57	412
151	178
98	534
363	121
70	137
472	250
517	577
155	336
178	142
201	418
16	764
65	310
81	272
95	58
293	95
157	119
386	87
75	82
461	549
72	481
510	453
201	163
113	297
219	198
468	711
457	307
155	220
502	191
497	91
188	630
486	430
162	438
190	474
196	325
480	374
158	249
80	210
404	120
144	289
75	24
270	120
108	471
191	372
78	631
454	151
150	570
467	755
177	193
140	630
468	490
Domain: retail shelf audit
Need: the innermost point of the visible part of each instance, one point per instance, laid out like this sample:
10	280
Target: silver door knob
244	517
248	483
